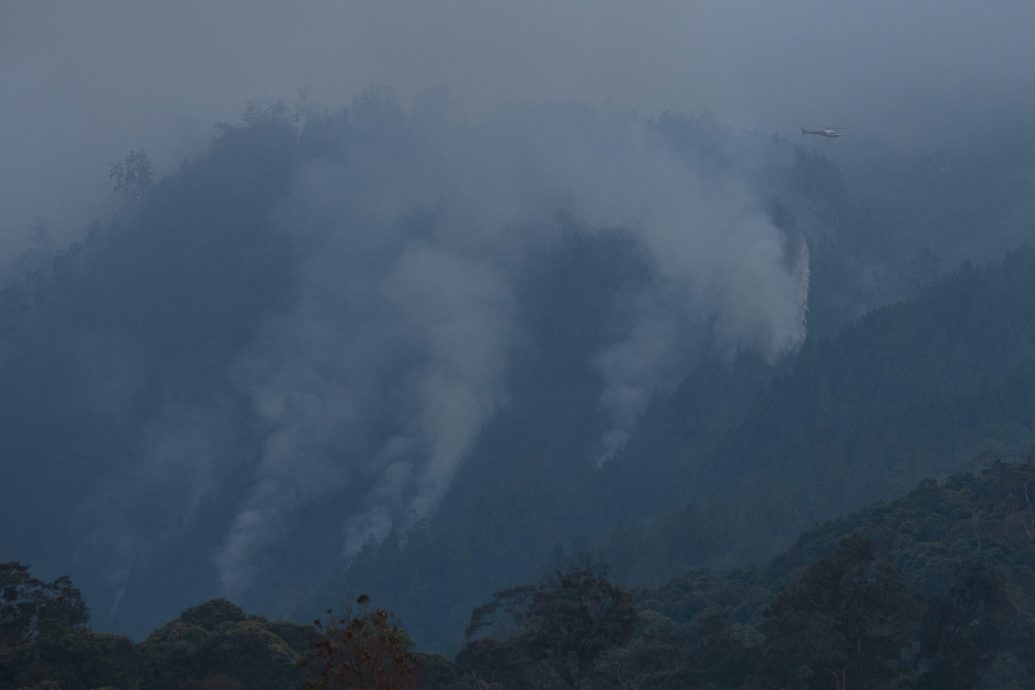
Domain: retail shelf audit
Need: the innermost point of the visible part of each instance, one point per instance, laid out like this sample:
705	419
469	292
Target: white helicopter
828	132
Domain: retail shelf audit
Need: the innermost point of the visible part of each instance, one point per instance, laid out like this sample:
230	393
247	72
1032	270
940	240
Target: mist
397	349
368	266
85	83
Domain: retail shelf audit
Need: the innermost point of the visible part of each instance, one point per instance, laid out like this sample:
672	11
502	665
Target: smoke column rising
396	352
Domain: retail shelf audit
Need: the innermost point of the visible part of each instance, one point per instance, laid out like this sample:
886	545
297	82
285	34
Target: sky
82	83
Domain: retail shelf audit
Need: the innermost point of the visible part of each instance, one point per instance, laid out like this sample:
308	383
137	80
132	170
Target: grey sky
83	82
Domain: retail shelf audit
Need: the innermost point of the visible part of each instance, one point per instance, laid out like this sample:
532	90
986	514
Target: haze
83	83
344	337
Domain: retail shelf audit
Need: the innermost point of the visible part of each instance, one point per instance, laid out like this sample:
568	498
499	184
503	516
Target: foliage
362	649
902	594
560	629
964	629
728	469
847	617
926	591
910	391
213	646
135	326
217	643
44	638
29	606
133	177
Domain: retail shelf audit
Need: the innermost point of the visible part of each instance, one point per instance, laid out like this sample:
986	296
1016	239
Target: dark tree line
900	595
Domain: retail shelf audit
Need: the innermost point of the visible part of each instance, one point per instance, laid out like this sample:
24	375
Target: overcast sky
81	83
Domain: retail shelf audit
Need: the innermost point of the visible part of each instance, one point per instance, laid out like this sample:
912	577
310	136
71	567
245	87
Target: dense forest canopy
931	590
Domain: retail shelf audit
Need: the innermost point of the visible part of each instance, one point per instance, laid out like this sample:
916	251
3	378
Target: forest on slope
913	390
932	590
233	386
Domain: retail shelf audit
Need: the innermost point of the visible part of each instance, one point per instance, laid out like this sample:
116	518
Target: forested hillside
744	455
376	349
910	391
932	590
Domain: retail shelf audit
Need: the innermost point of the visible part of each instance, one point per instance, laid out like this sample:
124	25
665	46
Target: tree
132	177
847	618
963	630
361	650
564	626
29	605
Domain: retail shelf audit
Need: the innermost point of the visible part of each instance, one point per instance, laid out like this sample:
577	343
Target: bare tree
362	650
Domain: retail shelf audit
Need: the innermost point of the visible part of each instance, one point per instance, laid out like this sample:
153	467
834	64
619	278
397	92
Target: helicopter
828	132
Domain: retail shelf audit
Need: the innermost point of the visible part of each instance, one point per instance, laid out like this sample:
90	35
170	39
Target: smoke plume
395	354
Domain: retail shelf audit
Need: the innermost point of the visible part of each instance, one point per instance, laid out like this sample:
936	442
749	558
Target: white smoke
395	355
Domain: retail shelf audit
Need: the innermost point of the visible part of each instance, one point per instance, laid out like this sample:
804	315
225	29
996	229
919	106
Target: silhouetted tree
963	630
565	626
847	617
362	650
132	177
29	605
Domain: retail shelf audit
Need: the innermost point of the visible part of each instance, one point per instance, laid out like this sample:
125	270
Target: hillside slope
932	590
911	391
742	457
